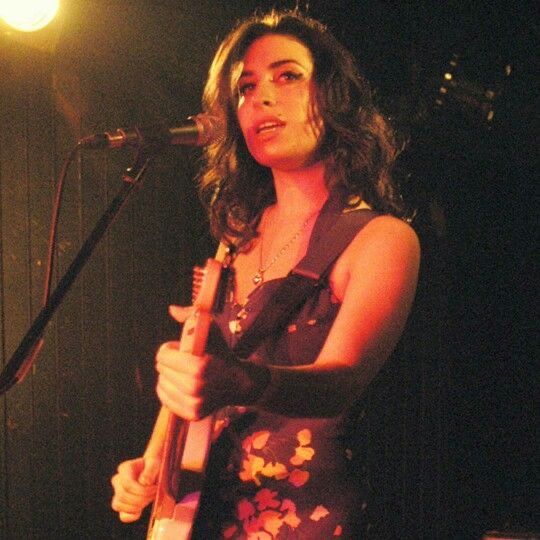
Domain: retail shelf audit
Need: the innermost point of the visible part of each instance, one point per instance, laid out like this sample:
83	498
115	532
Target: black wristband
259	378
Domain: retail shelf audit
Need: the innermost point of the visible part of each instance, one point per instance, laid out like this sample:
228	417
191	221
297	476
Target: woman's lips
269	125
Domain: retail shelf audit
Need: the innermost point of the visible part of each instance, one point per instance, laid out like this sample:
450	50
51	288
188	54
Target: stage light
28	15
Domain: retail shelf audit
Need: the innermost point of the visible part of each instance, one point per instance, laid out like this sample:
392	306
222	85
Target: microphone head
210	128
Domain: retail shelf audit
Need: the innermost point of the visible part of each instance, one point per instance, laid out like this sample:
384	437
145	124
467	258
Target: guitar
187	444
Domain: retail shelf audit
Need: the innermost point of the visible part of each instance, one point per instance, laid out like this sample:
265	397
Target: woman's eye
285	76
290	76
244	88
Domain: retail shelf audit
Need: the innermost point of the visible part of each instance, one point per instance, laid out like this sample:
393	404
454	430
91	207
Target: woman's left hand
191	386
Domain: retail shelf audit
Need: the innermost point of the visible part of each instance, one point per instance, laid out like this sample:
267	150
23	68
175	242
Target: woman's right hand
134	487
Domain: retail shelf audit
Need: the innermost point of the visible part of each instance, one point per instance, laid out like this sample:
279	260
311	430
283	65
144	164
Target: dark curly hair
357	138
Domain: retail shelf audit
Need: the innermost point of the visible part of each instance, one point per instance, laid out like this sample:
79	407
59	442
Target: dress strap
334	229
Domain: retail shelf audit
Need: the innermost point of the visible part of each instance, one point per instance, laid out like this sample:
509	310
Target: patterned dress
270	476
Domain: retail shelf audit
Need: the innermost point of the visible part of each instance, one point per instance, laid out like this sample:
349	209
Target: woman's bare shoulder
385	244
384	233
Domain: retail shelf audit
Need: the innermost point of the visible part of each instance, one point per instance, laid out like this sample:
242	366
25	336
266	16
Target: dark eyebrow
274	65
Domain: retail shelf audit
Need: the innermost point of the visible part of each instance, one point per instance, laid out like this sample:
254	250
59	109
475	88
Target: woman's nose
265	94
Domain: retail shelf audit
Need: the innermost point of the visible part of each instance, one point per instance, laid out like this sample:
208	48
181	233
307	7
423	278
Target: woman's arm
376	281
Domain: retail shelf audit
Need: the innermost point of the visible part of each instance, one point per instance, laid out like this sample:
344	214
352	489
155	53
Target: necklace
258	278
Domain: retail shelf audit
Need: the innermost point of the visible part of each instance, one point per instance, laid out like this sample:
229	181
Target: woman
300	130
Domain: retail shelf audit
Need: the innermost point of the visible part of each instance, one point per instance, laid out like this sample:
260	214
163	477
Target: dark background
451	435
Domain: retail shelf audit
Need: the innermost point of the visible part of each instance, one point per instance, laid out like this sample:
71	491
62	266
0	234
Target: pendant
257	278
235	327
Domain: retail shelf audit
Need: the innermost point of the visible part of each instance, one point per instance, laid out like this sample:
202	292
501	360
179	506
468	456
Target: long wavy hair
358	143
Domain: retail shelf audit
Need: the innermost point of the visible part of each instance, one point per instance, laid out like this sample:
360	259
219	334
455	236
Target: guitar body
187	444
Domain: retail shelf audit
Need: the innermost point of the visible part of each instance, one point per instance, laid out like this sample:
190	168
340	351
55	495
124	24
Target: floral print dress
274	477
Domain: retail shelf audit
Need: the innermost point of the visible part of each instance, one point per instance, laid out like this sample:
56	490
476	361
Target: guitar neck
187	444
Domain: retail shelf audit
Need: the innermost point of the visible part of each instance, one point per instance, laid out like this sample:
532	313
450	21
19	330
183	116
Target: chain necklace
258	278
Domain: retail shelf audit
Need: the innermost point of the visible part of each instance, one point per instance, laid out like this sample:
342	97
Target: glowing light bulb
28	15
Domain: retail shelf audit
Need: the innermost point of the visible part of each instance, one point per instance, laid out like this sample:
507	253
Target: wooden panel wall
88	402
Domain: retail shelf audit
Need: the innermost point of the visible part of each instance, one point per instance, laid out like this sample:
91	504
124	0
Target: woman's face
277	109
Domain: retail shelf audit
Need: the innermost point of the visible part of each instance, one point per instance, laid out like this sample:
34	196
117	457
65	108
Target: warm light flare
28	15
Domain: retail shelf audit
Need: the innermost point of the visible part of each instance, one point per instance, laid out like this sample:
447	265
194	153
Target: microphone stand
30	346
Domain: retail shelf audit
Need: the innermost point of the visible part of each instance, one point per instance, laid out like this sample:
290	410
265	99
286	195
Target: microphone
198	130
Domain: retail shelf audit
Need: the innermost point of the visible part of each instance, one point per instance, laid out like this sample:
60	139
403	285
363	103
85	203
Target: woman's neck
300	192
